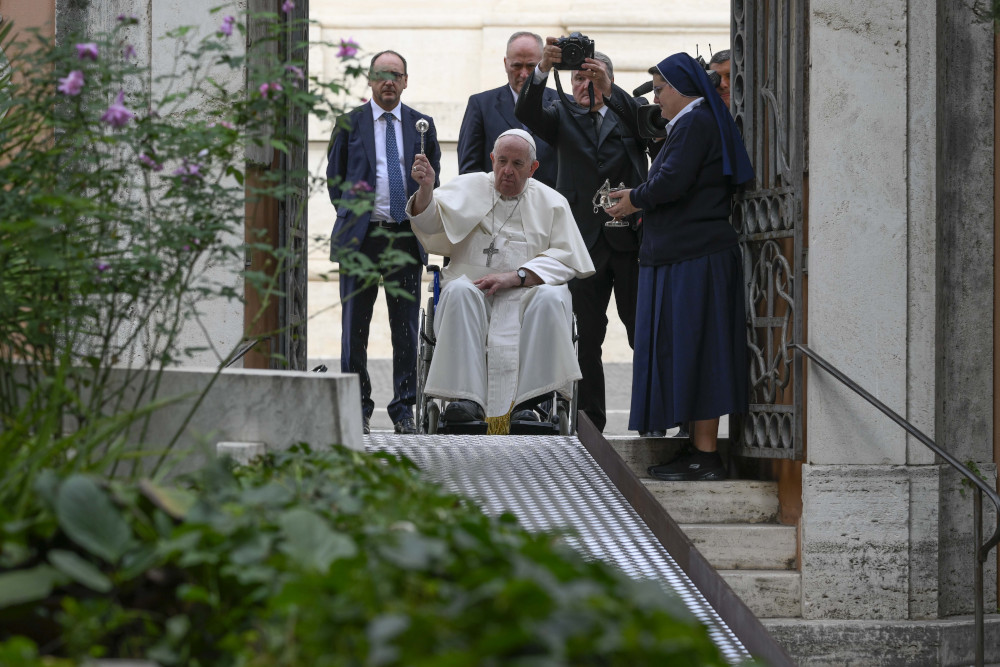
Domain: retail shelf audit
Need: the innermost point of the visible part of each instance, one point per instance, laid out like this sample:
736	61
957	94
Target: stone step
744	546
768	593
729	501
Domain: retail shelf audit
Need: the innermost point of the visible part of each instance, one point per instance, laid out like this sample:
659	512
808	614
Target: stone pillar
965	108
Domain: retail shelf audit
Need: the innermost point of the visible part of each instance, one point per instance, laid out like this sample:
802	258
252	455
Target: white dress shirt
381	209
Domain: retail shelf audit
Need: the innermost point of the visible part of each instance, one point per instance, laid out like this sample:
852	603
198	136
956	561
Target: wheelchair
558	415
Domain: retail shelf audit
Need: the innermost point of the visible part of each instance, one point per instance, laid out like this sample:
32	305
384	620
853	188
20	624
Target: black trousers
358	303
617	271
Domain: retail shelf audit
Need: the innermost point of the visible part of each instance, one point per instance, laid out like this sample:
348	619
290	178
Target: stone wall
900	298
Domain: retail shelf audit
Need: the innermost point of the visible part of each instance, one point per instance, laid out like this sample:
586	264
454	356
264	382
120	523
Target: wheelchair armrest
433	268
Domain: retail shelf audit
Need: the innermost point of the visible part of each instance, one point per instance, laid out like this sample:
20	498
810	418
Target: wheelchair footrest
533	428
464	428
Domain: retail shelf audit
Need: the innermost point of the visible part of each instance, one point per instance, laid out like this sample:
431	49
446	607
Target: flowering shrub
124	213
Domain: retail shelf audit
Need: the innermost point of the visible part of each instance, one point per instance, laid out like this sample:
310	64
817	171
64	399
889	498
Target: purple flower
266	88
295	71
88	50
72	84
128	20
117	115
227	25
348	48
187	172
149	162
129	52
361	186
287	6
102	267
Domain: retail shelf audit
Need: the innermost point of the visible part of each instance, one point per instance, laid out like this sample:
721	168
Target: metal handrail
982	549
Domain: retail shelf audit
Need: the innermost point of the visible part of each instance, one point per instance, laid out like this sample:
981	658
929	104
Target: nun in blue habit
690	362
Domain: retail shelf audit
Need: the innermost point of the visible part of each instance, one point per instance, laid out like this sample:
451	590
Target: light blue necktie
397	189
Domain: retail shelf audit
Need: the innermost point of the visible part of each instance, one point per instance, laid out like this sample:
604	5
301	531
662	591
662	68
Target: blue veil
688	78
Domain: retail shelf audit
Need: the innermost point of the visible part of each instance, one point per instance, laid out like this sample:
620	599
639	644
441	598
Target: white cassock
517	344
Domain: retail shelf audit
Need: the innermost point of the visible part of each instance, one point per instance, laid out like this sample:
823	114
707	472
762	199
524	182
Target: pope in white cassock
504	318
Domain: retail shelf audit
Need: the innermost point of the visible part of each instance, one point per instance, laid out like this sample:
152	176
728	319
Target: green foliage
327	558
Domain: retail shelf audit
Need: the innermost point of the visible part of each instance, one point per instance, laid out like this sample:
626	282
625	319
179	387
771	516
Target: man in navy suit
491	113
372	151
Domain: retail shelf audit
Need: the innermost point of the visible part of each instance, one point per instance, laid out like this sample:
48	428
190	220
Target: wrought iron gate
768	87
293	210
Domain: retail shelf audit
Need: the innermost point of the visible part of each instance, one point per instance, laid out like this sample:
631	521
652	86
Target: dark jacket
352	157
686	200
487	116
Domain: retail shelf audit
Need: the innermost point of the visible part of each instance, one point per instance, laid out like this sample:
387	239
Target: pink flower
227	25
88	50
129	52
266	88
102	267
348	48
295	71
287	6
149	162
128	20
222	123
117	115
72	84
361	186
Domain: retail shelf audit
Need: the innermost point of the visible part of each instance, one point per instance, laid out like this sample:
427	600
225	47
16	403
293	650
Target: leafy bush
320	558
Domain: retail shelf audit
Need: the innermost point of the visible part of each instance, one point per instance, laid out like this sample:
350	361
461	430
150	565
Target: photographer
690	361
592	145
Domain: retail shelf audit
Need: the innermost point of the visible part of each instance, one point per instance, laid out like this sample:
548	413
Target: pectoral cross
490	251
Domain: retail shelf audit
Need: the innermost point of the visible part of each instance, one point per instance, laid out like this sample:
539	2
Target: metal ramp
552	482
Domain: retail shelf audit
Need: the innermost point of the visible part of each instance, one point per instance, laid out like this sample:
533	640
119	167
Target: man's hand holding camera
595	70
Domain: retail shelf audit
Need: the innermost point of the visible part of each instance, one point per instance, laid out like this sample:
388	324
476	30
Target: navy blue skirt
690	359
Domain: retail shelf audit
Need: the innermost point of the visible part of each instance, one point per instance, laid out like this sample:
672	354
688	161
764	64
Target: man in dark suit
490	114
372	148
592	144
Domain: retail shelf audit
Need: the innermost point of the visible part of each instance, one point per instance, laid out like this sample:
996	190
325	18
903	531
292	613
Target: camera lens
572	54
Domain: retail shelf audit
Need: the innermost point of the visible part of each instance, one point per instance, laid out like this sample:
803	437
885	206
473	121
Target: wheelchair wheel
565	424
433	417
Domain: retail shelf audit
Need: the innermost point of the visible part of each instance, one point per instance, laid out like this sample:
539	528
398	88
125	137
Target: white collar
377	111
690	106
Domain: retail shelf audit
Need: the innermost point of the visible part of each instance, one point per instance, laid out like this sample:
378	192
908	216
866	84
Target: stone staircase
733	523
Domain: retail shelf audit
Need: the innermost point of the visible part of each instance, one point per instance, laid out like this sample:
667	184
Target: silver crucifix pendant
490	251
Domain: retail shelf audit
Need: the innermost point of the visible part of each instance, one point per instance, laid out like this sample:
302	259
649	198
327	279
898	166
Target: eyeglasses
387	75
657	89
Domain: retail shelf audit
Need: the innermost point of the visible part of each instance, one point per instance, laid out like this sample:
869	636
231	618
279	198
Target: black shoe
682	432
690	465
366	425
405	426
526	415
652	434
461	412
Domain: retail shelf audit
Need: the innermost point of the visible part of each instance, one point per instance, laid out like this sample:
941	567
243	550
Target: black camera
650	121
575	49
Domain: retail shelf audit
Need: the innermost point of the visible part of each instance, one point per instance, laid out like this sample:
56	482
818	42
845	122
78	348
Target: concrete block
729	501
241	452
832	643
744	547
855	542
769	594
924	543
279	408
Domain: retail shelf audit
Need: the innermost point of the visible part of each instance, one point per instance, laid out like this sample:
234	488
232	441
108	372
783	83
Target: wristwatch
522	274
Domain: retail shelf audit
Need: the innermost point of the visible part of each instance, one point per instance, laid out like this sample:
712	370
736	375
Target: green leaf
28	585
80	570
89	518
175	502
310	541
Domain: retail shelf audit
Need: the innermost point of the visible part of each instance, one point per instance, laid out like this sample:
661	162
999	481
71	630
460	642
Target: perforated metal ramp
553	482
